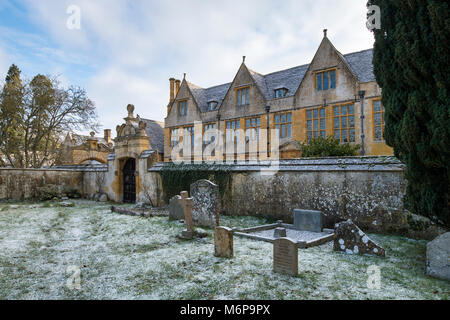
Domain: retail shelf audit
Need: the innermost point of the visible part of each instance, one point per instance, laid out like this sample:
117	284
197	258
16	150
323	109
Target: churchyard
48	251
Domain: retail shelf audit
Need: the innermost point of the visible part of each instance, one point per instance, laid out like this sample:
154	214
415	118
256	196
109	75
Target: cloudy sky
126	51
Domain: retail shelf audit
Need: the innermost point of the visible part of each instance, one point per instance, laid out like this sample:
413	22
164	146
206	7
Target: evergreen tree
411	64
11	113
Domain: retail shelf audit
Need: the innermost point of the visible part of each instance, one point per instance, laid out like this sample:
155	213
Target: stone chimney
177	86
107	135
172	89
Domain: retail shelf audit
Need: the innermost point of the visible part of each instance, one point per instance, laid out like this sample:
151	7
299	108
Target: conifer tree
412	66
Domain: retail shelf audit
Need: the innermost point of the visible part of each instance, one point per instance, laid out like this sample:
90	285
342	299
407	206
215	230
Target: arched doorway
129	181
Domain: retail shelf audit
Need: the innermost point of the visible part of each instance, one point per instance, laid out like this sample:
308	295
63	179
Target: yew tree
412	66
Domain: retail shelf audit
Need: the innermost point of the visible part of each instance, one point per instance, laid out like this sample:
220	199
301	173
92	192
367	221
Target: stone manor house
334	95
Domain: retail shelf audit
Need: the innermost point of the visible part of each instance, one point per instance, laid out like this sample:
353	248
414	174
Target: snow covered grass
124	257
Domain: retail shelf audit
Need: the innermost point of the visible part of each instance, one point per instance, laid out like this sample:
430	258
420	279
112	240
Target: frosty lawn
123	257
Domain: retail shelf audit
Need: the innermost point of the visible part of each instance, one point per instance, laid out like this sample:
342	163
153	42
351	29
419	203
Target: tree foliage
411	65
35	114
328	147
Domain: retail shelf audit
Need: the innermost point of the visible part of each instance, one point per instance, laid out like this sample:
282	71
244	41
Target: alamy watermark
74	20
374	277
74	280
234	146
373	17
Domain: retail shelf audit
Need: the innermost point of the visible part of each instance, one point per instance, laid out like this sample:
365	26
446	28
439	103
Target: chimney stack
172	89
107	135
177	86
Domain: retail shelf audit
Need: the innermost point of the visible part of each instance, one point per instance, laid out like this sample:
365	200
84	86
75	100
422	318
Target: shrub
72	193
328	147
48	192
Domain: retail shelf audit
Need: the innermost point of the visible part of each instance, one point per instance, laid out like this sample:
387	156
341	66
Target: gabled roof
360	63
203	96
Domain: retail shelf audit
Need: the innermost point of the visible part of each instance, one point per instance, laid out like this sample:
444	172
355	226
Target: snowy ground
124	257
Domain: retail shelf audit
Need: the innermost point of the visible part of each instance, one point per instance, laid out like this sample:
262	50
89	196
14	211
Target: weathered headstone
187	208
176	210
279	233
223	242
285	256
308	220
438	257
352	240
206	205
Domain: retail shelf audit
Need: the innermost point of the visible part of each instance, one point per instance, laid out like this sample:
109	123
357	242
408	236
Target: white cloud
133	47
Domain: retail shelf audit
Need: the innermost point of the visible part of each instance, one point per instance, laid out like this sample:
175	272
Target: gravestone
308	220
205	211
176	210
223	242
279	233
285	256
352	240
438	257
187	208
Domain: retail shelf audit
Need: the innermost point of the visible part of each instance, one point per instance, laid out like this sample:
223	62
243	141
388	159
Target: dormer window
212	105
243	96
280	93
182	108
326	80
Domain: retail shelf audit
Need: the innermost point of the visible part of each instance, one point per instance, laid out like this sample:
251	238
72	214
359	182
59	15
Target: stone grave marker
308	220
206	203
285	256
187	207
352	240
223	242
176	210
279	233
438	257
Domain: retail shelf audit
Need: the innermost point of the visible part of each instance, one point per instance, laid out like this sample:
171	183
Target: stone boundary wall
24	184
368	190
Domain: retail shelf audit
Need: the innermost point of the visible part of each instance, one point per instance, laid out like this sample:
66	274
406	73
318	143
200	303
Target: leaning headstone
279	233
285	256
206	205
352	240
308	220
187	207
176	210
223	242
438	257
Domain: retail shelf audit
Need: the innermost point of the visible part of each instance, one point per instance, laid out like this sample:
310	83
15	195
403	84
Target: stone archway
129	181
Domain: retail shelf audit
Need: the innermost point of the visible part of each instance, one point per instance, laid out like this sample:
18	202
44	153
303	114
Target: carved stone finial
92	134
325	33
184	76
142	125
130	109
243	59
